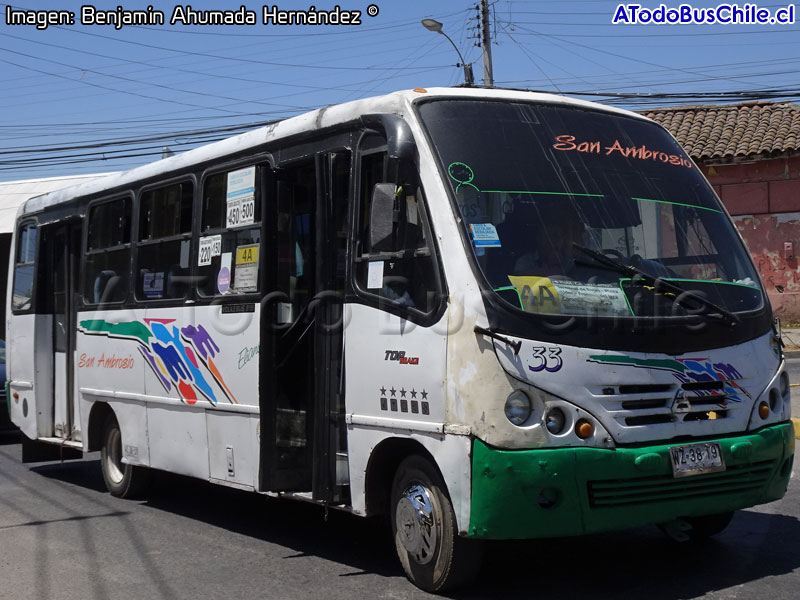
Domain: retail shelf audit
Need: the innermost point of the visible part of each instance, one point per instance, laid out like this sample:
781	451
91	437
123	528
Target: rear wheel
122	480
433	556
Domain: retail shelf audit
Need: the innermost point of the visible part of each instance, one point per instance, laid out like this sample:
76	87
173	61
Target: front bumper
522	494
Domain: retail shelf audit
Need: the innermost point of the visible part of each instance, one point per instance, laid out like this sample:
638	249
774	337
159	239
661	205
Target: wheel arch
382	466
97	418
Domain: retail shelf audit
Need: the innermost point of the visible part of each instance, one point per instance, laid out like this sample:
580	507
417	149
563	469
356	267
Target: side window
165	225
107	258
394	255
228	251
295	229
24	267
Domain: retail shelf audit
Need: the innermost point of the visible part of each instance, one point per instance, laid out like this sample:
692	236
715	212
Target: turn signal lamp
421	90
763	409
584	429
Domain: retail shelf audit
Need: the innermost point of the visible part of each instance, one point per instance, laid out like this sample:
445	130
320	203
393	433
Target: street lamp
436	27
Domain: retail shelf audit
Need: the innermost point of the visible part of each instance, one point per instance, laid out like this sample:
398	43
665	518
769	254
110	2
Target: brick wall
764	200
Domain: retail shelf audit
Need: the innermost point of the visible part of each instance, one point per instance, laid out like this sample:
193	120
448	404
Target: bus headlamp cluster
567	423
555	420
774	404
518	407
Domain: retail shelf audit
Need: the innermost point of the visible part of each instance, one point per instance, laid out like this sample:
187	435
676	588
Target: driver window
395	262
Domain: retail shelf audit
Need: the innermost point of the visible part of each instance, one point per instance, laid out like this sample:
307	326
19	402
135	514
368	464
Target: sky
80	99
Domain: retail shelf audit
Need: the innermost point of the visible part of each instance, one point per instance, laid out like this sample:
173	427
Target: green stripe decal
649	363
132	329
541	193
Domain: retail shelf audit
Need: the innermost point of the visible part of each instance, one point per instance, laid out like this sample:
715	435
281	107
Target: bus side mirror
399	139
383	216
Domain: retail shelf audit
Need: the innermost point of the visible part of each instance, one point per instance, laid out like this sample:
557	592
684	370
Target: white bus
484	314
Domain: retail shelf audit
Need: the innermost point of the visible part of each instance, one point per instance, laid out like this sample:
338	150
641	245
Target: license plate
696	459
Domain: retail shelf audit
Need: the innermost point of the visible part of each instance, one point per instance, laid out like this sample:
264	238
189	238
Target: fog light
555	421
584	429
549	497
518	407
763	409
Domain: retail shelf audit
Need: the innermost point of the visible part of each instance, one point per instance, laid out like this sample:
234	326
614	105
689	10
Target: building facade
750	152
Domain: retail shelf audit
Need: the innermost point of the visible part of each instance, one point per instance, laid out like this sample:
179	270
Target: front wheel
122	480
424	527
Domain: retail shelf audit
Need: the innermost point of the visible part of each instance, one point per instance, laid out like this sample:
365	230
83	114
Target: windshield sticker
556	296
240	197
210	246
375	275
484	235
246	274
567	143
223	280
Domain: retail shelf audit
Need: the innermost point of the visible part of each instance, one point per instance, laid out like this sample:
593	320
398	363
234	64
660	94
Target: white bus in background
485	314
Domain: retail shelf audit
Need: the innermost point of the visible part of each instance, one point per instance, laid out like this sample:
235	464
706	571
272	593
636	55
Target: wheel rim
113	458
416	523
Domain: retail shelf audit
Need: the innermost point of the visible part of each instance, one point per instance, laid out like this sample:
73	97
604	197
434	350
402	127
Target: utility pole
486	43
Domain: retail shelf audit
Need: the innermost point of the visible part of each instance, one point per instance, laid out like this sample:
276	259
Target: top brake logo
400	356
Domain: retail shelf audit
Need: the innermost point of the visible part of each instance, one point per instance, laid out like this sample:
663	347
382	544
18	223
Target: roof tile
732	130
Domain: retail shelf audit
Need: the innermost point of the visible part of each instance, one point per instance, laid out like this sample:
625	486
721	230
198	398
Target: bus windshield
542	188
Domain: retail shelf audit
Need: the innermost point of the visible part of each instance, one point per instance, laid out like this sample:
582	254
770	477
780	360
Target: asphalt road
63	536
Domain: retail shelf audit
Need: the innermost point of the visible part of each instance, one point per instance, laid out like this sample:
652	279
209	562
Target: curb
796	423
791	353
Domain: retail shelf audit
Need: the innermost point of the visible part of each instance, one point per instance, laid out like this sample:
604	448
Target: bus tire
708	525
424	529
122	480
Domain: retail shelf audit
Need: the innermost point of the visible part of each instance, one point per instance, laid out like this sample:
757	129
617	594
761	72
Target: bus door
60	244
302	400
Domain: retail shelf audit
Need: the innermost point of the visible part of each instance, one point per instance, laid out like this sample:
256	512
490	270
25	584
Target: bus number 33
546	359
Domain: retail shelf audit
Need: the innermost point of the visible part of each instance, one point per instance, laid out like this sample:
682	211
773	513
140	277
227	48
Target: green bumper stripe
520	494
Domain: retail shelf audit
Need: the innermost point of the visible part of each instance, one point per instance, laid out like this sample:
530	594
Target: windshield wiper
657	282
496	336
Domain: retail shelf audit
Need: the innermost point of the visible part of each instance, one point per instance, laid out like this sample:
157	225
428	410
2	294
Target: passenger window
24	267
228	252
394	257
107	258
165	224
296	203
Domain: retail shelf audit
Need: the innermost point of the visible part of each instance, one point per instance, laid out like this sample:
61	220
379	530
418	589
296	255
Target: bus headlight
555	420
518	407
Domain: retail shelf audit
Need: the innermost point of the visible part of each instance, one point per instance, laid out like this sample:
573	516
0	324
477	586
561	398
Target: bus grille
655	404
644	490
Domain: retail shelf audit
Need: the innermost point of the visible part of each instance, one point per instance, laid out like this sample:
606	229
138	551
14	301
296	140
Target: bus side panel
233	447
395	374
30	371
132	418
199	361
451	453
108	360
178	439
395	370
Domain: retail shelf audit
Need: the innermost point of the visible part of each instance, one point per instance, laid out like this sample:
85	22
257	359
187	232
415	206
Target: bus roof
322	118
